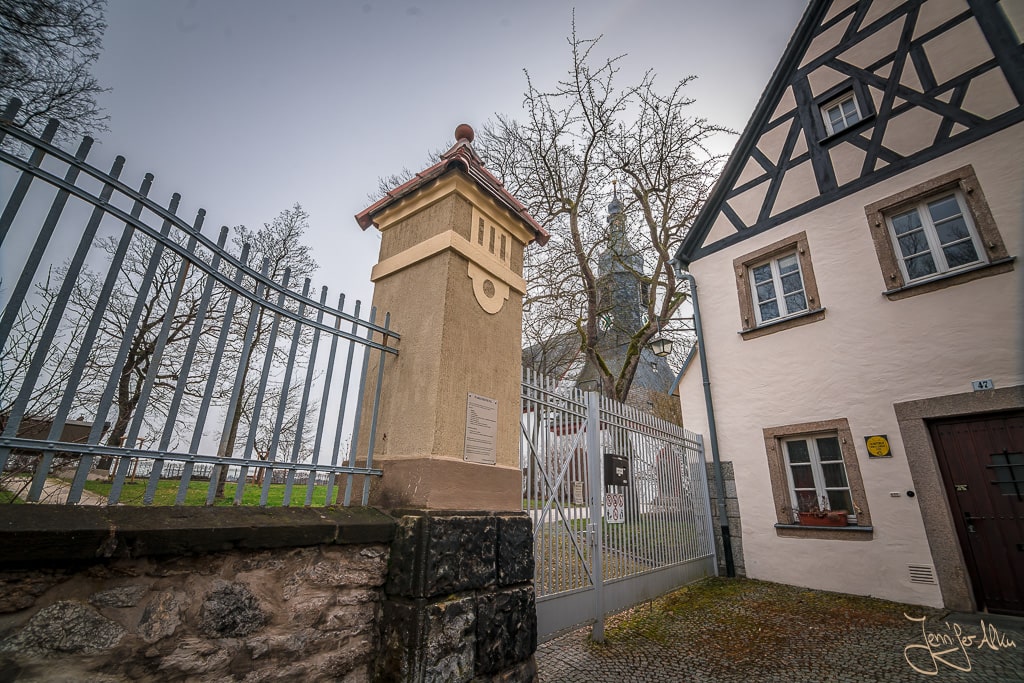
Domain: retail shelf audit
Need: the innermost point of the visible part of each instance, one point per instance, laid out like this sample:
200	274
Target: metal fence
619	501
152	364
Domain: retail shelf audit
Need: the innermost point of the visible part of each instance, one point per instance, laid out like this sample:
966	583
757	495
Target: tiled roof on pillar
461	156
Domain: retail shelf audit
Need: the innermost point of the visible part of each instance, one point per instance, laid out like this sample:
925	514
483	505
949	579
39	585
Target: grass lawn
167	491
8	497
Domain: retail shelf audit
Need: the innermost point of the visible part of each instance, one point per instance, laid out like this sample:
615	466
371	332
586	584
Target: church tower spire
620	268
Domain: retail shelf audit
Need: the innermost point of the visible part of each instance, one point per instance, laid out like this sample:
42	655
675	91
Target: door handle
968	520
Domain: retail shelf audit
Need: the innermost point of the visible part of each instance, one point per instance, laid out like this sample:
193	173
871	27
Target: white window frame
932	237
780	296
819	476
839	102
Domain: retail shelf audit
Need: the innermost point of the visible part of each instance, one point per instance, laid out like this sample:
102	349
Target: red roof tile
461	156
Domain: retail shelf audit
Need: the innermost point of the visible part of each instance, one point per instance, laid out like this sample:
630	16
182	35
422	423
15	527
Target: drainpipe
723	518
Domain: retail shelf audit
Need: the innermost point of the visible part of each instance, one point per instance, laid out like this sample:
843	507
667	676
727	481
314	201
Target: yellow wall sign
878	446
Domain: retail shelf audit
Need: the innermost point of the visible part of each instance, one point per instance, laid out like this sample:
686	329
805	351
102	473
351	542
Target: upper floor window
839	114
935	236
778	288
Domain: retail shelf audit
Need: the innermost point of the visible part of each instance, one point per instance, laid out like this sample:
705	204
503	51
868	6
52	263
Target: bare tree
47	50
281	243
23	343
560	160
173	299
280	444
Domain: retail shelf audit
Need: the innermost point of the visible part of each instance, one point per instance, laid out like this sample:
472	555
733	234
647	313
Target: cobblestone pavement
739	630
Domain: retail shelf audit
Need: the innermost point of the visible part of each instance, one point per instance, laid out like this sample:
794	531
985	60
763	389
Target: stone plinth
460	601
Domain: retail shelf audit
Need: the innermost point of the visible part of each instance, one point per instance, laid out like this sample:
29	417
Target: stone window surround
742	264
998	260
784	526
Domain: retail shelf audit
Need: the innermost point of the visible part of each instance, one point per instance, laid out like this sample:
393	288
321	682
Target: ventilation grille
921	573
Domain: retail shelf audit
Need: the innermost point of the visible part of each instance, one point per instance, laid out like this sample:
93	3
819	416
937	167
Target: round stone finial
464	131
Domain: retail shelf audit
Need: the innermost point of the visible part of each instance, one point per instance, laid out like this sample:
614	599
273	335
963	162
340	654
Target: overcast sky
248	106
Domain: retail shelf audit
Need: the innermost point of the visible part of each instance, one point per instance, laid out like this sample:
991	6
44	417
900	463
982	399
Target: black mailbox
616	470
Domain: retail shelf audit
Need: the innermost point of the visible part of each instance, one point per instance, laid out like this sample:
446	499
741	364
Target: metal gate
619	501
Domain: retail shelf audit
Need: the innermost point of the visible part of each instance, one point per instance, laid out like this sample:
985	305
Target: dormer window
840	113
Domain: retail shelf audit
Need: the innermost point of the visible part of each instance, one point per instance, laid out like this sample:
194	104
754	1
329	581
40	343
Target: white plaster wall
867	354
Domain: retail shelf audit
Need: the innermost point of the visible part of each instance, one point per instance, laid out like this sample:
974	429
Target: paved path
738	630
55	492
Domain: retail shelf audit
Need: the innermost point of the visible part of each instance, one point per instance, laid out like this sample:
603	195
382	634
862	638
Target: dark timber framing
867	134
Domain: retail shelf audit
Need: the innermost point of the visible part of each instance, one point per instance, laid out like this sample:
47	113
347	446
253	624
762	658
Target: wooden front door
982	463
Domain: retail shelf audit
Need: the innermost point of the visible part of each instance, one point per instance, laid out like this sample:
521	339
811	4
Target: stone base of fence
227	594
459	603
732	512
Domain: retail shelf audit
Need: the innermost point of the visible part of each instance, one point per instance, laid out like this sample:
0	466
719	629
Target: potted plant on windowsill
821	514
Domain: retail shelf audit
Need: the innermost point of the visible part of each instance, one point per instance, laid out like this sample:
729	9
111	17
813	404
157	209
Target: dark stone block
506	629
65	627
400	641
435	556
231	610
449	645
428	641
460	554
515	549
524	672
405	564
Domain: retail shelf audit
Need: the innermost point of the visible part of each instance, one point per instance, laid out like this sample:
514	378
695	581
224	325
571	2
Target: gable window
776	287
817	475
813	466
937	234
839	114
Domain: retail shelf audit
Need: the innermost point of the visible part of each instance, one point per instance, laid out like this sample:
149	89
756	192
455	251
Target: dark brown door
982	463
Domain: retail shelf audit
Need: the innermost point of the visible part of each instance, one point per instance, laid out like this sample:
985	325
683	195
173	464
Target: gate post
596	525
459	598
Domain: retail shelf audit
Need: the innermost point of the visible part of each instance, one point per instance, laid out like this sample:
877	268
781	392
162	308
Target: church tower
622	295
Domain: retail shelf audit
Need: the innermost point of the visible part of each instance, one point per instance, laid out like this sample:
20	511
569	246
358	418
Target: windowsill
855	128
851	532
996	267
783	323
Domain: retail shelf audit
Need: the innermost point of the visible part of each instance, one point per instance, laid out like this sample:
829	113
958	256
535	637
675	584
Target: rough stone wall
460	600
305	608
732	512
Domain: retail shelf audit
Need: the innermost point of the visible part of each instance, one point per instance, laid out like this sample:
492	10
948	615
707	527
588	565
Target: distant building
622	305
857	276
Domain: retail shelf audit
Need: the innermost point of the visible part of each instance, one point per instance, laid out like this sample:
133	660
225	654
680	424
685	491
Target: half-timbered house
858	278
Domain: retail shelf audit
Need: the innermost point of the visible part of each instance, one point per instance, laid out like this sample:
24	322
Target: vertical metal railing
565	437
154	334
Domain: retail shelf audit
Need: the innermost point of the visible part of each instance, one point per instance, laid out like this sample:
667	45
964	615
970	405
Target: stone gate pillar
460	601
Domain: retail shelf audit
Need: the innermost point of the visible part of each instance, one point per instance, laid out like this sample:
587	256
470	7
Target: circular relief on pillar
489	289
